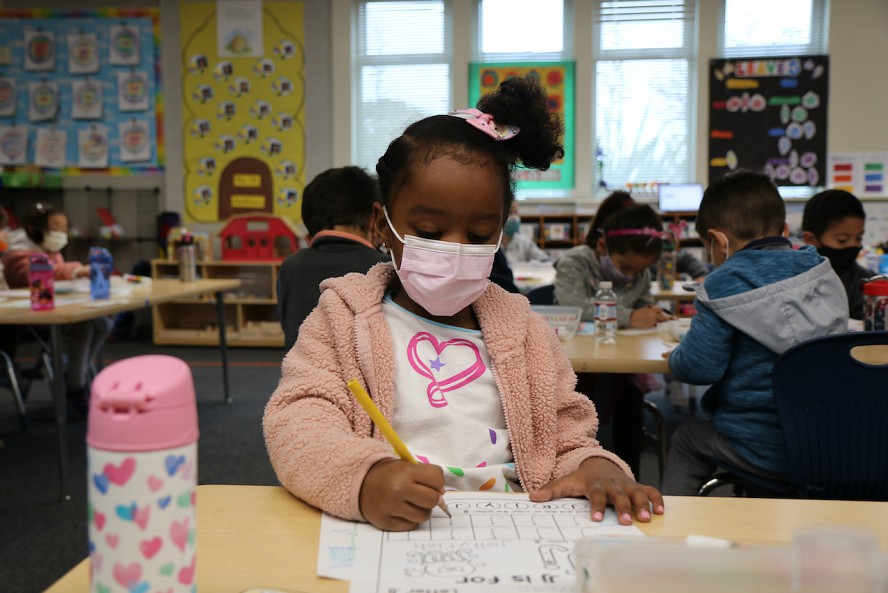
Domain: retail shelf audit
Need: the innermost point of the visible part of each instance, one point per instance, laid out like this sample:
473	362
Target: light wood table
144	295
260	536
639	353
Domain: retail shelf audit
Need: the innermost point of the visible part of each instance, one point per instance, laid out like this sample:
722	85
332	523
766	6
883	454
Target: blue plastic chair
834	413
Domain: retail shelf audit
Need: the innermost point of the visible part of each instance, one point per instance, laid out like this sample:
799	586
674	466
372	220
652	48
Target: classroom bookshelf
251	313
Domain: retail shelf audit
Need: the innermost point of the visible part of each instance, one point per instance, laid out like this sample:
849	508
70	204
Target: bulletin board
769	115
80	91
557	78
243	92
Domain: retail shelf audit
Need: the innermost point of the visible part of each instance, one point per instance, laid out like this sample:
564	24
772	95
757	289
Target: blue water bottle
100	264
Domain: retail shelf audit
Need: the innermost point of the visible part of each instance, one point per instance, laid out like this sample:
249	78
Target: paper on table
336	549
101	303
491	538
26	303
637	331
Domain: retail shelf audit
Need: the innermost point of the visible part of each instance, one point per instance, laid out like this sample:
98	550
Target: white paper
239	29
83	53
40	50
92	147
125	46
50	148
13	145
87	99
133	91
8	97
43	100
336	549
492	539
135	141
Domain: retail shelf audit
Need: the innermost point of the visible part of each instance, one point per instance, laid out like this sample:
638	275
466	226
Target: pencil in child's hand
386	429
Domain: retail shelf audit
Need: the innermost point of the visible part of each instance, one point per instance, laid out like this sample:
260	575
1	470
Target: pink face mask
443	277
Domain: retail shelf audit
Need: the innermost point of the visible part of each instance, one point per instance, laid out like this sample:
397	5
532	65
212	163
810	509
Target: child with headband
625	239
475	383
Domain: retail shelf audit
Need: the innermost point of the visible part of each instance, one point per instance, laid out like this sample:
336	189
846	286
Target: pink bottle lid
143	403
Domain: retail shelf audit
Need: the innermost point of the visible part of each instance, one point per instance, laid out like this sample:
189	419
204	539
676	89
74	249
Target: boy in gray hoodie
763	297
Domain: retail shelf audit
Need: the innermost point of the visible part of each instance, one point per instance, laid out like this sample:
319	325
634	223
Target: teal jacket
762	300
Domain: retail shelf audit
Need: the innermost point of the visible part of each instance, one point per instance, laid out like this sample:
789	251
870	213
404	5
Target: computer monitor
680	197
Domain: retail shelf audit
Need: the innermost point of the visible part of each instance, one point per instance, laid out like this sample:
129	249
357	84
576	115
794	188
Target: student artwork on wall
770	115
244	95
557	78
74	81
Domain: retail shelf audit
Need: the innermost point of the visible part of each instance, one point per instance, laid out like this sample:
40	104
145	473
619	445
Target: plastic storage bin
564	320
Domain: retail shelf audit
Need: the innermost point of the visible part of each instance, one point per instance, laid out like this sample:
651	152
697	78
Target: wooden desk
641	353
157	291
260	536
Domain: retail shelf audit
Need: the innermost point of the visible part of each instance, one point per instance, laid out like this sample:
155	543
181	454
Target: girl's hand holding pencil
397	495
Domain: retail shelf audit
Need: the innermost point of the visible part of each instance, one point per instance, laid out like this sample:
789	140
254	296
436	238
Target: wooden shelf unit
563	231
251	314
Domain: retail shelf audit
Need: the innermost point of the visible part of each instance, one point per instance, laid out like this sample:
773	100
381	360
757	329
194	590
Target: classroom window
643	104
768	28
506	34
401	70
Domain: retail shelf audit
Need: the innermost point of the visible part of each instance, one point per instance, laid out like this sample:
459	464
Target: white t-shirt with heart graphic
448	410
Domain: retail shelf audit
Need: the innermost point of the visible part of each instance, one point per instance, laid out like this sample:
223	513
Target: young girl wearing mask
476	384
46	231
624	241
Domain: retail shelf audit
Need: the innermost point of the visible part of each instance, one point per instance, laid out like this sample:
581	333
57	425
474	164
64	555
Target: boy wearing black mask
833	222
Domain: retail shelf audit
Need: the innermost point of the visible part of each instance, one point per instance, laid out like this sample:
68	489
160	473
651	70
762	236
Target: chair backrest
833	411
543	295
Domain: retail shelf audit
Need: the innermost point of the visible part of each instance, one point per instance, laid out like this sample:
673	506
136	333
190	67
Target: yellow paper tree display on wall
243	93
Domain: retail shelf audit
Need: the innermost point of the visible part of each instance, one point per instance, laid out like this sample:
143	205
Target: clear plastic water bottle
100	265
605	314
142	475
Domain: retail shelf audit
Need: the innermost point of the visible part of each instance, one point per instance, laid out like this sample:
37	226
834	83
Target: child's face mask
611	272
513	224
440	276
54	241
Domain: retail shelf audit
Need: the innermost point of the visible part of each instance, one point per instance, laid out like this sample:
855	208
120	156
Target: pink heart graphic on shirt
120	474
140	516
186	574
453	378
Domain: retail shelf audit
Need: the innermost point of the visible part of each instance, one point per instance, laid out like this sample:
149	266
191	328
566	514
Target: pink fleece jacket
322	443
16	263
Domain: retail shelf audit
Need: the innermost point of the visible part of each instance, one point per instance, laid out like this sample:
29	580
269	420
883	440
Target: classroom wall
857	46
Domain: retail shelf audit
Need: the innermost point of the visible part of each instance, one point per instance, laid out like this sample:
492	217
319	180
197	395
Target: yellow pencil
386	429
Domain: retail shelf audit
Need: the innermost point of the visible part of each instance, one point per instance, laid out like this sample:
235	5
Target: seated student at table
474	382
833	222
46	231
517	247
763	297
625	239
337	208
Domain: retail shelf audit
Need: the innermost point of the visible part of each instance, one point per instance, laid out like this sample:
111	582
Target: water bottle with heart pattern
142	474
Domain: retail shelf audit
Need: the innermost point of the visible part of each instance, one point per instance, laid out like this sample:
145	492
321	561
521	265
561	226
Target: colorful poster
239	32
243	132
40	50
124	47
92	147
50	148
133	91
13	145
874	166
769	114
87	99
83	53
135	141
8	97
43	101
844	170
557	79
83	87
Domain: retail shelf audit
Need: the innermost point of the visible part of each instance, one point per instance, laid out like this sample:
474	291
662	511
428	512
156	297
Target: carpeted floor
42	538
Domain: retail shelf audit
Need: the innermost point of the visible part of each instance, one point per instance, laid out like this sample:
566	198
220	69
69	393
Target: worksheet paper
493	542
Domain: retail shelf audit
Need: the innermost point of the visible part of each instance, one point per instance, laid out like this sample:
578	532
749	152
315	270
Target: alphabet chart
493	542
